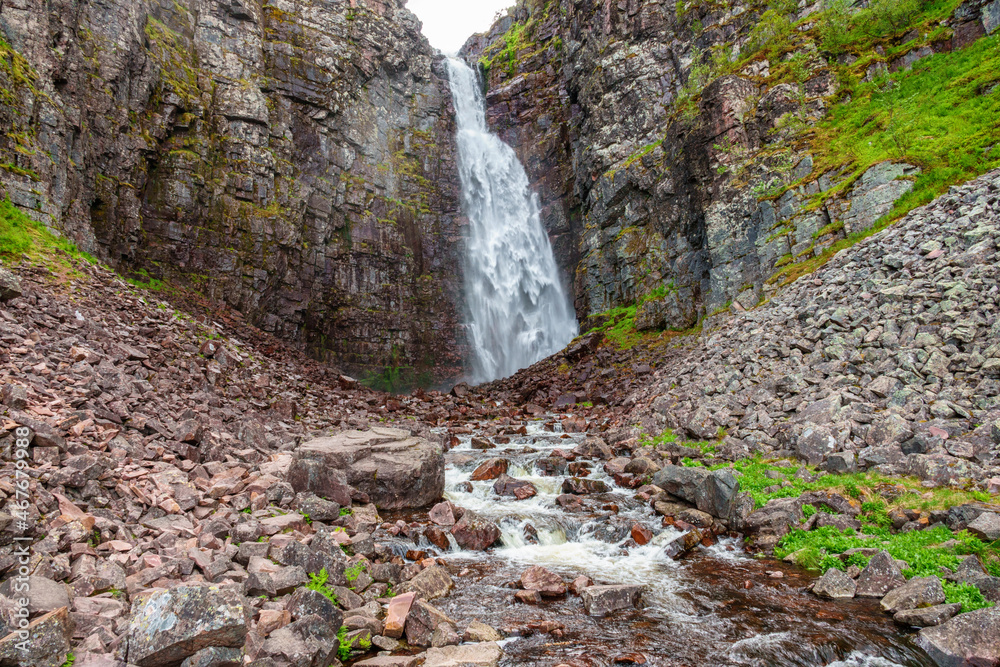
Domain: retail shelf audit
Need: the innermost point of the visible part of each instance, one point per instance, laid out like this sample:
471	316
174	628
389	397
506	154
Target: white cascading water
518	311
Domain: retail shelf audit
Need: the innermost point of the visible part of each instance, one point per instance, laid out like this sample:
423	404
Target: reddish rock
474	533
490	469
577	585
437	537
528	597
641	534
395	618
508	486
546	582
443	514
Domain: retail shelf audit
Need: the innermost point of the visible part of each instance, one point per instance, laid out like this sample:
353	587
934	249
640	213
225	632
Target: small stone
602	600
480	632
395	618
547	583
528	597
490	469
431	583
641	534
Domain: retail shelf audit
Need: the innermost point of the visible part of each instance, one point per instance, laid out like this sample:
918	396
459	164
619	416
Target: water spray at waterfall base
518	311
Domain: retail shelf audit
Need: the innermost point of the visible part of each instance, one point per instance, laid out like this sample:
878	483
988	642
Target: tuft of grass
354	571
317	582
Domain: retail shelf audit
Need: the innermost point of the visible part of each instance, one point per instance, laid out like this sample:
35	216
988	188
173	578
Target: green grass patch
767	480
925	551
938	116
144	281
20	236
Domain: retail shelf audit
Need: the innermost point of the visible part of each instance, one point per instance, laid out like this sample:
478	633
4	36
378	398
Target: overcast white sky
448	23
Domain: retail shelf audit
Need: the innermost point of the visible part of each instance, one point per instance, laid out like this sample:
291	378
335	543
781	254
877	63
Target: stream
716	606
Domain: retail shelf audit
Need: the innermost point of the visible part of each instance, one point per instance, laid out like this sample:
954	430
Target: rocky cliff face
292	159
675	174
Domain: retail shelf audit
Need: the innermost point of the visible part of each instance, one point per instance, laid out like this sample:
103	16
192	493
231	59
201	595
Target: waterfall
517	309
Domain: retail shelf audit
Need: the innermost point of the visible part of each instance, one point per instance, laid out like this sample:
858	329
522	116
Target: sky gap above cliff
448	23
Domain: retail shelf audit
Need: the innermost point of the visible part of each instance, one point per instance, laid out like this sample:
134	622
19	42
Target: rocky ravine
293	160
175	464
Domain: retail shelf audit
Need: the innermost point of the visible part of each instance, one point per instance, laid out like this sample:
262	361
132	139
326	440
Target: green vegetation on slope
767	480
941	116
22	236
925	551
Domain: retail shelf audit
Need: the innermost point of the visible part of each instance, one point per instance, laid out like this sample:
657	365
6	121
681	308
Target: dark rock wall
293	159
653	181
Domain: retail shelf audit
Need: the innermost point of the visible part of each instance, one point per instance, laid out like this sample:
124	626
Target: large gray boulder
10	285
968	640
395	469
880	576
914	594
714	492
168	626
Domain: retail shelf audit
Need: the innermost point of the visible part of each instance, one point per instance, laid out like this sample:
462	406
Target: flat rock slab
928	616
389	661
602	600
395	469
469	655
968	640
168	626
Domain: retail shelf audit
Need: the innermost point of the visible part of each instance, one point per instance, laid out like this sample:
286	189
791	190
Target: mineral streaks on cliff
293	159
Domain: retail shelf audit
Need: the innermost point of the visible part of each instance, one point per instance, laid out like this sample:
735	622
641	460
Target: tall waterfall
518	311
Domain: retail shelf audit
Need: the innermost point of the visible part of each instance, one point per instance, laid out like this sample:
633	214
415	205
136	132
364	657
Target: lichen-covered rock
47	641
10	286
966	640
914	594
167	626
835	585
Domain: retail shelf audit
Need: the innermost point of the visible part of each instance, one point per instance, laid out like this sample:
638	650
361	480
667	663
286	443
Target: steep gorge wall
655	174
292	158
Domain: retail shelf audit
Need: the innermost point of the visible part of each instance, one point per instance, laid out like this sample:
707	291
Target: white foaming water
858	659
518	310
561	544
